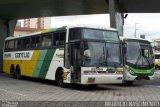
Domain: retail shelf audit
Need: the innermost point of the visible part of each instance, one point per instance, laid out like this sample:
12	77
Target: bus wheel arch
59	77
12	71
128	82
12	68
18	72
157	67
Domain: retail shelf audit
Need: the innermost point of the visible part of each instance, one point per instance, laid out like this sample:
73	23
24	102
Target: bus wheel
59	79
12	72
128	82
92	85
156	67
18	73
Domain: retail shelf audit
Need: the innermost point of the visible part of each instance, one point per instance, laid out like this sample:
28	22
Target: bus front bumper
102	79
129	77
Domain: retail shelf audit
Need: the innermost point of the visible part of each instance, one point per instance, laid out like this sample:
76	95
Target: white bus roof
25	35
156	40
157	53
92	26
130	38
64	27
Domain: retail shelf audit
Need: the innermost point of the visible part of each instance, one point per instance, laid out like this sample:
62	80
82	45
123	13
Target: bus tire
92	85
59	78
157	67
12	71
128	82
18	73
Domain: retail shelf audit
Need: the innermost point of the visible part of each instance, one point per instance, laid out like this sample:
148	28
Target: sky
102	19
147	24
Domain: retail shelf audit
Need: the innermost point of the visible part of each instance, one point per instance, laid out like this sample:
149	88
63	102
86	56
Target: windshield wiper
140	55
107	55
147	60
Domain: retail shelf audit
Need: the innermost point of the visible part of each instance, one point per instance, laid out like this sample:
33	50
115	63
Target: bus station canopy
17	9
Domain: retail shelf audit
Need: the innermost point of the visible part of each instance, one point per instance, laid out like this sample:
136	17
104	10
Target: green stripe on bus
46	63
141	71
39	63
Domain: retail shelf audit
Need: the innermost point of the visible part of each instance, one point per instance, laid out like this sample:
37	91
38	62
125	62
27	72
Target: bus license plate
91	80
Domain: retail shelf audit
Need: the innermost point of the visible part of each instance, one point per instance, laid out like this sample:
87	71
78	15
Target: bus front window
101	54
93	54
113	54
139	54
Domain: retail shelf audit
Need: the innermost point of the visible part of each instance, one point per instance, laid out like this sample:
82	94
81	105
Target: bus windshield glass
101	54
139	53
100	34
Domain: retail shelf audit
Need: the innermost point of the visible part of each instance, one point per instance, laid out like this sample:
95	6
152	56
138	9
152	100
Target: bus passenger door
75	59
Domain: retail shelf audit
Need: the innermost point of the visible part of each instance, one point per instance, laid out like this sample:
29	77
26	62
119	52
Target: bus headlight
152	72
119	69
127	69
131	71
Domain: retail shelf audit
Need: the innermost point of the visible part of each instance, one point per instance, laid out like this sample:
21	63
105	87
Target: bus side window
62	38
26	43
33	41
15	44
46	40
11	45
19	44
6	45
38	41
55	39
59	39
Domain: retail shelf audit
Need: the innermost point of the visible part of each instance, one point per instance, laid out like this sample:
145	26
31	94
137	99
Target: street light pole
135	33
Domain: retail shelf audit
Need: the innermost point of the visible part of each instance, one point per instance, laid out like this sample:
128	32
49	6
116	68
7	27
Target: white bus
73	54
138	59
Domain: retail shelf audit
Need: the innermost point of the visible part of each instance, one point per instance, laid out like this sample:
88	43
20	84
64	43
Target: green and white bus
73	54
138	59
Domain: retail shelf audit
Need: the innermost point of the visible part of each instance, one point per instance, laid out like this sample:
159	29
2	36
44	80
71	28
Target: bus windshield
139	53
101	54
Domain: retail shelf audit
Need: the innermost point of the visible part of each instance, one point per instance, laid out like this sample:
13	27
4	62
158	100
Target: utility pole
135	33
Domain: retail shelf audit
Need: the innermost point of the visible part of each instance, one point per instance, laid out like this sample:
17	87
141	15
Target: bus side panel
7	64
27	66
57	61
43	63
46	63
39	63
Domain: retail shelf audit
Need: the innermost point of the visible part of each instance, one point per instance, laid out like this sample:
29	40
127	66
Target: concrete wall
3	35
6	29
116	17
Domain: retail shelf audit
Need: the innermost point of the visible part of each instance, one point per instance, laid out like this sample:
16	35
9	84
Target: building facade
30	25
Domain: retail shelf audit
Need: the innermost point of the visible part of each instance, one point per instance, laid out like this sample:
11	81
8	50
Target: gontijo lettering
22	55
